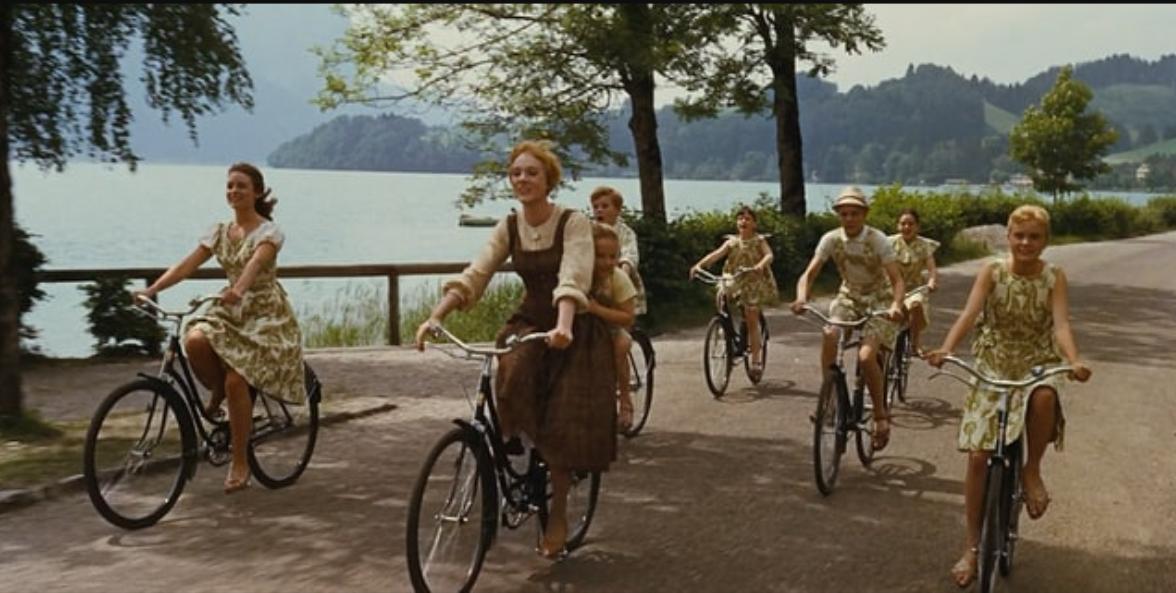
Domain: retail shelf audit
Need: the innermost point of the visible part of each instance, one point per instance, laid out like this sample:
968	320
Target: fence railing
392	272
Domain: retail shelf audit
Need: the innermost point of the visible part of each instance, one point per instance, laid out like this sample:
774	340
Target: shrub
118	327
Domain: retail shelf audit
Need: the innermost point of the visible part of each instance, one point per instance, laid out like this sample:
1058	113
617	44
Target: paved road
716	495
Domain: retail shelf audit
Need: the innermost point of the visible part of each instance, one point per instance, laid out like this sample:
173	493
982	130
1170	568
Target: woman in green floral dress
1021	308
914	254
250	337
747	249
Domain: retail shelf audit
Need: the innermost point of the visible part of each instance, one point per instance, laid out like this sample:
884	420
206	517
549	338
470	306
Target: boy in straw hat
870	280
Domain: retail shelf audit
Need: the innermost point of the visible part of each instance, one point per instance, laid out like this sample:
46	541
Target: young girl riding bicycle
747	249
1021	305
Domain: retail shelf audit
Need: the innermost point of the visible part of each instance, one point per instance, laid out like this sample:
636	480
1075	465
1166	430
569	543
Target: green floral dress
259	337
912	259
1015	333
753	288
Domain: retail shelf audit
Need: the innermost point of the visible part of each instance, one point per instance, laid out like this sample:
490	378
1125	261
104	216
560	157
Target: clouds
1006	43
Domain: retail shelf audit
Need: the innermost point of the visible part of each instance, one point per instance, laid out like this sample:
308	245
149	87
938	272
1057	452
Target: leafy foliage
1059	141
118	327
27	260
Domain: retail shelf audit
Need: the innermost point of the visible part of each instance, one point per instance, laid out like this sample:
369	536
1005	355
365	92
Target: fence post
394	309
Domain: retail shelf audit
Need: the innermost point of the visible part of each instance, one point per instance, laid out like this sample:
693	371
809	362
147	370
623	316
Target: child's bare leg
917	325
621	344
751	315
207	367
964	570
1040	425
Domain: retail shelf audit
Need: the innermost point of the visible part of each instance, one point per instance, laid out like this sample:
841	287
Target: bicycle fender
183	415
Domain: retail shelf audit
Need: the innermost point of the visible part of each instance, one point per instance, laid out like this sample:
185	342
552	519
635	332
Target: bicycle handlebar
709	278
148	306
849	324
1036	374
924	289
512	342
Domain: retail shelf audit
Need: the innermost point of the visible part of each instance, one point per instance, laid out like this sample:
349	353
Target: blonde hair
542	150
1030	213
601	230
603	191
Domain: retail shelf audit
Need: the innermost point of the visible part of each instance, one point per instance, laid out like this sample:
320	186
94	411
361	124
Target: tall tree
61	96
778	37
525	70
1059	141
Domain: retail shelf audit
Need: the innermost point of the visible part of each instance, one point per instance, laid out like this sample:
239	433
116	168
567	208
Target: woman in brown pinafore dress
561	393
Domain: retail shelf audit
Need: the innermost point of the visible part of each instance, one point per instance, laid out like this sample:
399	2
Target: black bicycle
836	414
1002	500
724	346
642	361
145	439
470	483
899	367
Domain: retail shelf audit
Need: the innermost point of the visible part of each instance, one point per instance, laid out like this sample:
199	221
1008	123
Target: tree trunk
643	124
636	59
786	109
10	389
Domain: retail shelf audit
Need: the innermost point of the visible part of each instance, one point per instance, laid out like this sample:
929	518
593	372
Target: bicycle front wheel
451	515
582	495
716	359
992	533
828	433
641	363
898	370
1011	503
284	435
133	462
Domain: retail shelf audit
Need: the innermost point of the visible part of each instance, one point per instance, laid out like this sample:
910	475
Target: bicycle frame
736	340
516	489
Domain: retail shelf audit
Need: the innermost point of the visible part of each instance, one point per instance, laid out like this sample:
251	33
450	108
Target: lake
101	216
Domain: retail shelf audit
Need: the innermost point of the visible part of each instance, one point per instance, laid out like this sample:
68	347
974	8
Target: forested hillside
928	126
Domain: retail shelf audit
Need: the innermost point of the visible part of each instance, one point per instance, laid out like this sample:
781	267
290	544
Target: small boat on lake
471	220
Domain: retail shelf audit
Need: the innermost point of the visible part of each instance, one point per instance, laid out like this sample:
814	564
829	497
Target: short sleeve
269	232
825	246
932	245
622	288
883	247
210	237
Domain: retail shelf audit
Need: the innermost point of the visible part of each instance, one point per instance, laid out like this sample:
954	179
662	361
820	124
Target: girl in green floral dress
914	254
1021	307
747	249
250	337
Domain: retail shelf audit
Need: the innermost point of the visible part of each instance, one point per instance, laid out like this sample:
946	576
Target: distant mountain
928	126
275	40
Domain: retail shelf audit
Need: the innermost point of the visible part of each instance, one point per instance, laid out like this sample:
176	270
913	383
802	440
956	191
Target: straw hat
851	196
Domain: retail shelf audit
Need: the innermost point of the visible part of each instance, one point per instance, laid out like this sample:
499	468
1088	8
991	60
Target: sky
1007	43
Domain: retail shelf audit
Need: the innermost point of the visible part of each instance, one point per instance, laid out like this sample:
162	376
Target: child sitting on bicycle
606	205
870	280
1020	304
747	249
914	254
613	299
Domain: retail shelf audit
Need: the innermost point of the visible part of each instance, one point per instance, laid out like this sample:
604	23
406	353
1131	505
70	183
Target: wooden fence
392	272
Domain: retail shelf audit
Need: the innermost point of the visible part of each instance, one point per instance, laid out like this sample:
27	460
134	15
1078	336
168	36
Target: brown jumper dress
564	399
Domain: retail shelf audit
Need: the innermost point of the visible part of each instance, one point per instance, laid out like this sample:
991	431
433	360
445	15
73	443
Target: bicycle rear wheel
284	435
582	496
133	462
641	363
829	432
1011	507
763	349
451	515
992	534
716	360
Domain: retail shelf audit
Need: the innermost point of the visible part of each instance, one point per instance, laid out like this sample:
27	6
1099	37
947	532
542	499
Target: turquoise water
98	216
